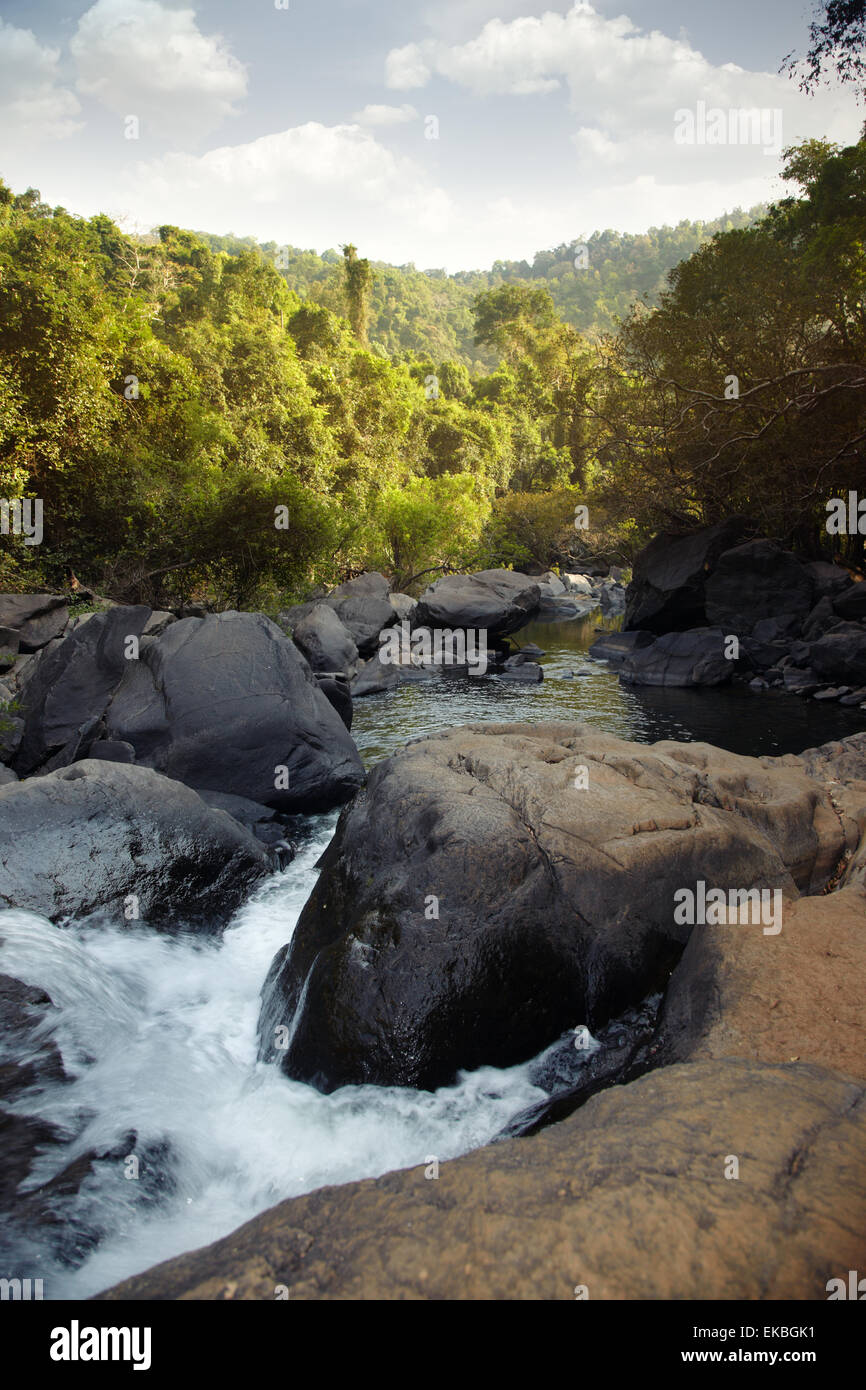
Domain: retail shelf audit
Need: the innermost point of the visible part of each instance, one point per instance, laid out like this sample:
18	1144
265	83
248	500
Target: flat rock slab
627	1198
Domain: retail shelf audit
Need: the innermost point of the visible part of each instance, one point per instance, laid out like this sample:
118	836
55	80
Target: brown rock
628	1197
738	993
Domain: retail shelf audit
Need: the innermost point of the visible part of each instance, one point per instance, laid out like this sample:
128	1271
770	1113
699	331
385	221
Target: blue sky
311	125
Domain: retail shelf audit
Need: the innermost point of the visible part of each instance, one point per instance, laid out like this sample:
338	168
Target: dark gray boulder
36	617
227	703
376	676
495	601
364	608
335	687
841	656
73	681
667	591
87	837
757	581
111	750
266	824
10	641
325	642
527	672
680	659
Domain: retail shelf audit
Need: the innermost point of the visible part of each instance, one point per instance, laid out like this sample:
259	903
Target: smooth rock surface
222	702
495	601
86	837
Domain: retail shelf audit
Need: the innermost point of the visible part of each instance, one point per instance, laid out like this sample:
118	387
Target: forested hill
429	313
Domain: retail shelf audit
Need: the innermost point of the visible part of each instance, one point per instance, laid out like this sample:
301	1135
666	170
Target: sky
447	134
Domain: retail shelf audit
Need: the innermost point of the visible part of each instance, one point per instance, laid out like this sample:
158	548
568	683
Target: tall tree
359	282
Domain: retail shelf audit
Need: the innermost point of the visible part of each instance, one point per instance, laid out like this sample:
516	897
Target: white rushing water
159	1037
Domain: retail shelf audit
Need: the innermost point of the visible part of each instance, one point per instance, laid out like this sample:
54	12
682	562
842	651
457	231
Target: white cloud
386	115
312	185
137	57
34	106
405	68
625	87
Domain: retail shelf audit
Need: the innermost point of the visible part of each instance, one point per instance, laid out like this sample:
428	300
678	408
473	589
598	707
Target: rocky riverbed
489	949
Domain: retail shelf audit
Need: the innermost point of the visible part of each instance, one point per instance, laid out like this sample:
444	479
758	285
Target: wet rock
88	836
528	672
73	682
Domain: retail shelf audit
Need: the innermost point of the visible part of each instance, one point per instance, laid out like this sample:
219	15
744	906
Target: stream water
157	1033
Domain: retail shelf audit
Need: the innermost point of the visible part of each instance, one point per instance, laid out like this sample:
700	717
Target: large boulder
364	608
666	593
87	837
325	642
495	601
680	659
37	618
756	581
224	703
497	884
73	680
626	1199
841	655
